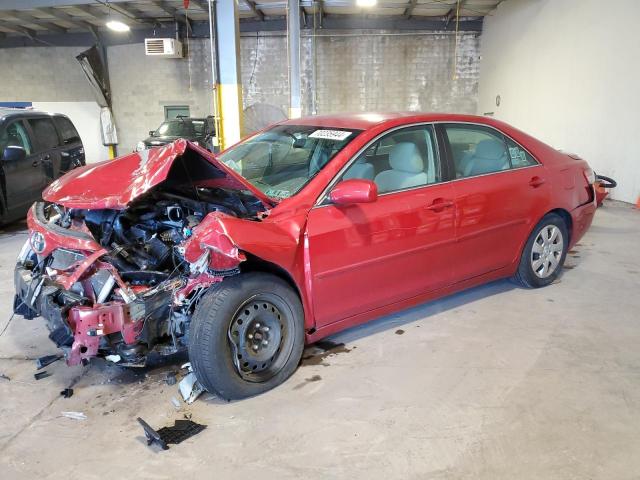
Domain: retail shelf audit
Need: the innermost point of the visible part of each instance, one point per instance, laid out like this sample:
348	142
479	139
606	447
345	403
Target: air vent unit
163	47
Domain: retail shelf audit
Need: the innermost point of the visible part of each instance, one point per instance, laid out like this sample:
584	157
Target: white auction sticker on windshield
338	135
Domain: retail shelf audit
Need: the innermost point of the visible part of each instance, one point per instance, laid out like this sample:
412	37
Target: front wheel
246	335
544	253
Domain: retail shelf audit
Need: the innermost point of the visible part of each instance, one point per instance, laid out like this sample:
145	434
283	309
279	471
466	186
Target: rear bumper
581	217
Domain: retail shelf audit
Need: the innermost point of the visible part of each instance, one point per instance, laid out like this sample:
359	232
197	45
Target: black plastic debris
67	392
179	432
47	360
41	375
171	379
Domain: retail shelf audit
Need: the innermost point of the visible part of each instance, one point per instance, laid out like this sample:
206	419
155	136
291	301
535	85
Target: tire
235	346
541	263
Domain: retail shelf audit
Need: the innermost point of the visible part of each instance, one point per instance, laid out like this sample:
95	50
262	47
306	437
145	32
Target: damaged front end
122	280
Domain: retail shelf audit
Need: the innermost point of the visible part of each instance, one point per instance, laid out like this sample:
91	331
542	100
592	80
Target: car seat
489	156
407	169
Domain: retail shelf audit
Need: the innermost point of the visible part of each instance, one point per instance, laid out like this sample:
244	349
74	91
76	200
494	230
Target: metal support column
293	41
229	88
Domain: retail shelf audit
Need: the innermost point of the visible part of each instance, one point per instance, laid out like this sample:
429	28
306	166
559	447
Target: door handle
439	204
64	154
535	182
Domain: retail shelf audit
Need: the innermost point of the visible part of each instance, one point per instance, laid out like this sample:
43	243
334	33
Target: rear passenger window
67	130
519	156
44	132
477	150
406	158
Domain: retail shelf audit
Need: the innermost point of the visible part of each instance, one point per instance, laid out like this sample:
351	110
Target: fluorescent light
366	3
117	26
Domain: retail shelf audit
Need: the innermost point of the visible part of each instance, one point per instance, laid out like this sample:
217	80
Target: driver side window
15	135
403	159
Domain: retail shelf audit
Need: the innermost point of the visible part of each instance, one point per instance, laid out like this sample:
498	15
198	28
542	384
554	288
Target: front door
499	189
22	179
369	255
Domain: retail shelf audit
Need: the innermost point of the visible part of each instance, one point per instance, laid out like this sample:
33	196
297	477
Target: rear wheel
246	335
544	253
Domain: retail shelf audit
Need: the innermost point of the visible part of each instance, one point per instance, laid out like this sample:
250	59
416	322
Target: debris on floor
41	375
190	388
176	403
113	358
67	392
171	379
179	432
47	360
4	377
74	415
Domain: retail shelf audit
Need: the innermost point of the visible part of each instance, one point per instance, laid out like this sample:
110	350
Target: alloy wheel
547	250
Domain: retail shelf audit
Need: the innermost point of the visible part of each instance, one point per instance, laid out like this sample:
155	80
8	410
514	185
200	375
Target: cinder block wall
355	71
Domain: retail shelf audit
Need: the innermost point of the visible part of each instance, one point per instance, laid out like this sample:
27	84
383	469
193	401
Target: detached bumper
582	217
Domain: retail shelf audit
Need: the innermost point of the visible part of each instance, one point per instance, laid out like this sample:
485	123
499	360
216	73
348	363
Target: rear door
369	255
500	191
47	146
22	179
71	150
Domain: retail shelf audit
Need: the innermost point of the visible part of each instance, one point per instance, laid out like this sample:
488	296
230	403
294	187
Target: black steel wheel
246	335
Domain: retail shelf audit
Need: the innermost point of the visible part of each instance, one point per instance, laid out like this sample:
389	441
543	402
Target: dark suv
198	130
35	149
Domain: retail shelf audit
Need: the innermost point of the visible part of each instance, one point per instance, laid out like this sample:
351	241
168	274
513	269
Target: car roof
364	121
6	113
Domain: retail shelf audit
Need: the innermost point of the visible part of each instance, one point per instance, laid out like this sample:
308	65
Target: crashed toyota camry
300	231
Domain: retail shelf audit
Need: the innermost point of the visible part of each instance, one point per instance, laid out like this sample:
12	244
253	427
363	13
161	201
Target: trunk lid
115	183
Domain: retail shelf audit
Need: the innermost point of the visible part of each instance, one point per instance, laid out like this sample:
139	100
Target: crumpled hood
115	183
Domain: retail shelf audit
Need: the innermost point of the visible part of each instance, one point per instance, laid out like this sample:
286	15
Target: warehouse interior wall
567	73
355	71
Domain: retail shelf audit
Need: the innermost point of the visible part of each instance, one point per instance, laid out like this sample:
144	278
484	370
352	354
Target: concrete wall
356	71
567	72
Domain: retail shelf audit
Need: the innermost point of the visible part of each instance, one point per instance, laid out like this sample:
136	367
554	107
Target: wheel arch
566	216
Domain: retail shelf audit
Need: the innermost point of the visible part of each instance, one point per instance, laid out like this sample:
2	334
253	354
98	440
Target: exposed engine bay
121	283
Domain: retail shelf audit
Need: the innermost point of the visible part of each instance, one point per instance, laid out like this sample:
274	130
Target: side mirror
152	133
352	191
14	154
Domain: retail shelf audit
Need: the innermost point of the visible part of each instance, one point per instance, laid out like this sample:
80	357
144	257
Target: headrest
490	149
405	157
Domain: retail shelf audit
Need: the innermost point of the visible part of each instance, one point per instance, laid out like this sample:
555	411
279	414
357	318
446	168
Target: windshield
282	160
180	128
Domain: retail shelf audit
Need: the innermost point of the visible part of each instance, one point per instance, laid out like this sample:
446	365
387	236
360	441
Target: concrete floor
494	383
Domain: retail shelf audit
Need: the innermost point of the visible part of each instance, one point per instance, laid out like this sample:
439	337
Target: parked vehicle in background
35	149
200	131
307	228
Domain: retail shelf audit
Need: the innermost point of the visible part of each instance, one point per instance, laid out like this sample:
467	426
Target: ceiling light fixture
366	3
117	26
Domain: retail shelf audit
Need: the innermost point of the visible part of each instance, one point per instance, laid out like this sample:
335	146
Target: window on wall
478	150
403	159
175	111
15	135
44	132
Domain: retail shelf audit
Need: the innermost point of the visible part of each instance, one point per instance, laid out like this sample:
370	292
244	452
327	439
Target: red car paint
349	263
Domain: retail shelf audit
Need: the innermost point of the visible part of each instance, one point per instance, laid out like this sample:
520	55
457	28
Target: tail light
590	176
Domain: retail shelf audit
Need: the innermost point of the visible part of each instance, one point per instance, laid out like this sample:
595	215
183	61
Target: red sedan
307	228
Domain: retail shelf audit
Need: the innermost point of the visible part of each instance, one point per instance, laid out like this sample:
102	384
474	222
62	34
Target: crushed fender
119	276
